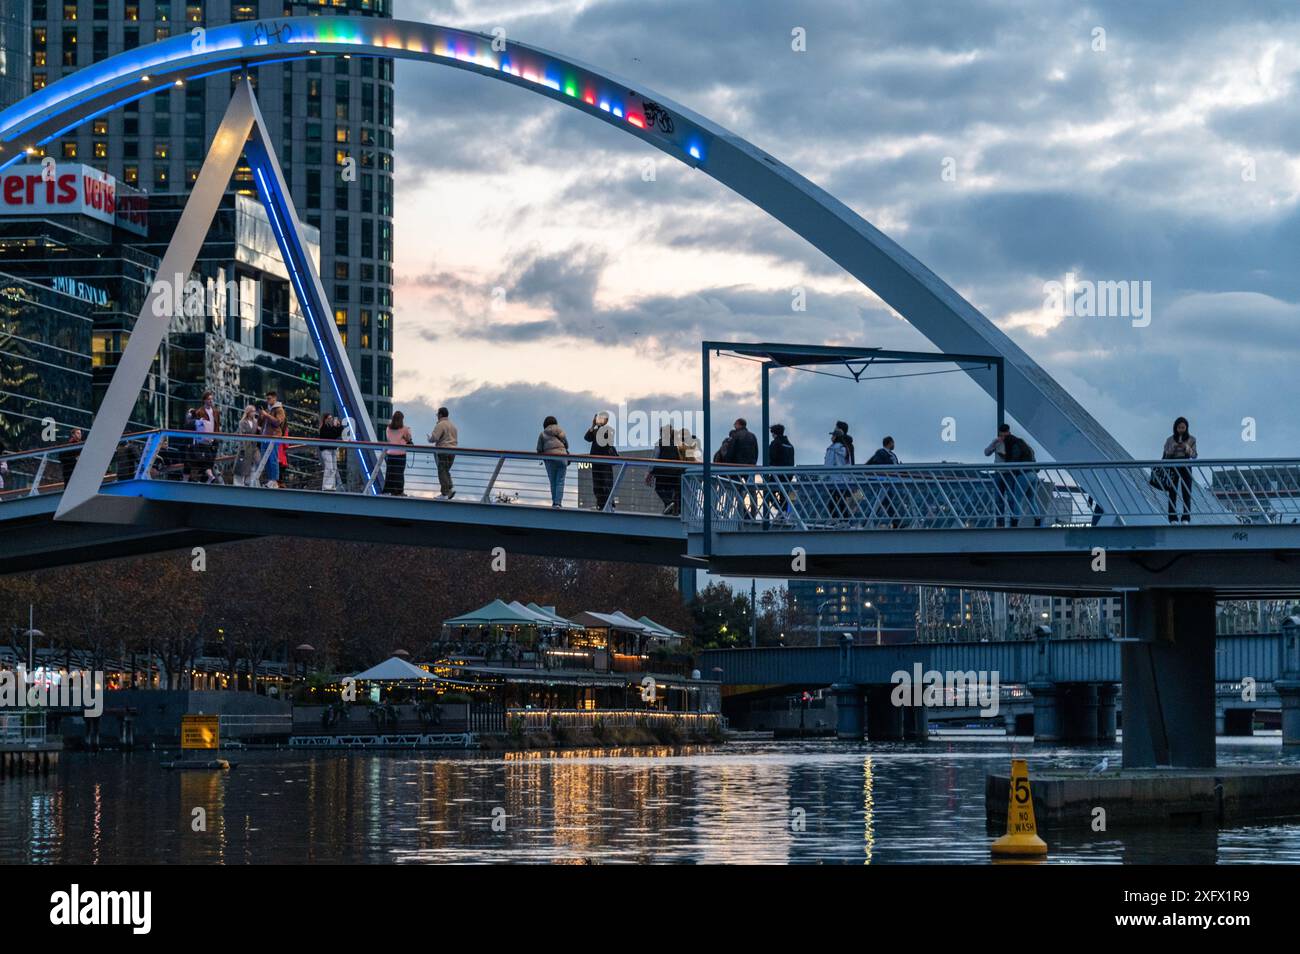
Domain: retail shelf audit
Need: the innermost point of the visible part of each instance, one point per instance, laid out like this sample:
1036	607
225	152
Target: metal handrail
980	496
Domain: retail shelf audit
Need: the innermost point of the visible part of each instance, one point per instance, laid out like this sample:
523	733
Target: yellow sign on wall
199	731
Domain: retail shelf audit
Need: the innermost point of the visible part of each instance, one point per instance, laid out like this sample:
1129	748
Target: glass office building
240	333
15	51
321	113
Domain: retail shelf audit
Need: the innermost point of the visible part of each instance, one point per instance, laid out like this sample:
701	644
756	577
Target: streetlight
877	609
824	604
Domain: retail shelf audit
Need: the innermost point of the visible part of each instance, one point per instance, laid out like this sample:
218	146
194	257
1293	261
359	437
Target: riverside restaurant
530	657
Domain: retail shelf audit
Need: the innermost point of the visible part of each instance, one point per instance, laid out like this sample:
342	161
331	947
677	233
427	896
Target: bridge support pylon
1107	720
1168	673
848	705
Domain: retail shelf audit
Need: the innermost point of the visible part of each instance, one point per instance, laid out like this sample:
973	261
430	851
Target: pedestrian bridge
1009	526
1080	528
1044	660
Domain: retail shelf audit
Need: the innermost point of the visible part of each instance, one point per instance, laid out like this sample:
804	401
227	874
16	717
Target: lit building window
69	150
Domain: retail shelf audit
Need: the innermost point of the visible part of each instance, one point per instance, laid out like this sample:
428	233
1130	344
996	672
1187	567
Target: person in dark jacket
1015	487
884	454
741	446
331	429
667	479
780	453
884	457
601	436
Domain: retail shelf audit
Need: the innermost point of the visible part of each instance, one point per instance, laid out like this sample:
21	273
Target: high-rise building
15	51
861	608
326	116
76	269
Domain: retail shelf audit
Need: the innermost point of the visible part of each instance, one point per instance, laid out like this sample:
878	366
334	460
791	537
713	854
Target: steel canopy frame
1039	403
795	356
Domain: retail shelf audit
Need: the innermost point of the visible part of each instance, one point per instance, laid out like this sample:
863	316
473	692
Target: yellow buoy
1022	832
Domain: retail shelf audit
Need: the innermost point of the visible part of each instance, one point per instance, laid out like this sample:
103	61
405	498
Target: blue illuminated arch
1037	401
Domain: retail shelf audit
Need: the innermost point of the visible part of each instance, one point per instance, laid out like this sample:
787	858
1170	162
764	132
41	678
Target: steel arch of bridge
1033	397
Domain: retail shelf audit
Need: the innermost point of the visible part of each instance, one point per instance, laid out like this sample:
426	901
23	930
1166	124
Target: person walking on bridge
601	436
444	435
395	472
780	453
885	457
1016	487
246	458
272	419
740	447
331	429
1180	445
554	442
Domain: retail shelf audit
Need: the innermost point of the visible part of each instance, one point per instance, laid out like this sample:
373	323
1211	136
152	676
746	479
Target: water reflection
744	802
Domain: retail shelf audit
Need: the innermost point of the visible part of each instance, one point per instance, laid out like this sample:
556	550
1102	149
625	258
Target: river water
744	802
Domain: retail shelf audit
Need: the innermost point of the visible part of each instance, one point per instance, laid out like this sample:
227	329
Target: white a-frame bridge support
242	131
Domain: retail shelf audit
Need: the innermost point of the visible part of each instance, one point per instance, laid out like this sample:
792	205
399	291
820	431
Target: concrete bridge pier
1290	693
1288	682
848	705
1047	721
1079	708
1107	720
1168	673
1236	722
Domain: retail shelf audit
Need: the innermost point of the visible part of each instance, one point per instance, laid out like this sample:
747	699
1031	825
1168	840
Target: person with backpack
1017	485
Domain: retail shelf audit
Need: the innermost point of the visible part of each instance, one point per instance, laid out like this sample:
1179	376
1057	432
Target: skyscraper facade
331	121
15	51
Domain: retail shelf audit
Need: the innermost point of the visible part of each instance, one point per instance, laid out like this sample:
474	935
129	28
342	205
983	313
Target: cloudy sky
538	272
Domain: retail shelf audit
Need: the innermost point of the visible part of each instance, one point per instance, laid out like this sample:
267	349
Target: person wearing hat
848	441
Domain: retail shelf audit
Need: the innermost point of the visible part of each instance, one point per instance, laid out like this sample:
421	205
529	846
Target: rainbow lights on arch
220	48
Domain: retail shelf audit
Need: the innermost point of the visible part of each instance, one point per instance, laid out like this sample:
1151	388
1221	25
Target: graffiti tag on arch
657	116
277	32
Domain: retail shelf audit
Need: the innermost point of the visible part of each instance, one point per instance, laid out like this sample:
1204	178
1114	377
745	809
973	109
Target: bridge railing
968	496
621	484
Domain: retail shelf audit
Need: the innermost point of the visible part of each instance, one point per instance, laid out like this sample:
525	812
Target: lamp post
877	609
822	606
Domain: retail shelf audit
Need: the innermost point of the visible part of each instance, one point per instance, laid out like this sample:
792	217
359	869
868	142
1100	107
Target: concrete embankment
1219	796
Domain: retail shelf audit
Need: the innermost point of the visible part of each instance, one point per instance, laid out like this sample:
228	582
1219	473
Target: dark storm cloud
1086	161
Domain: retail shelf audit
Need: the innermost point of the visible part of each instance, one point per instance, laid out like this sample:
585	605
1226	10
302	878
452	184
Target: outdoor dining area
531	637
537	658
